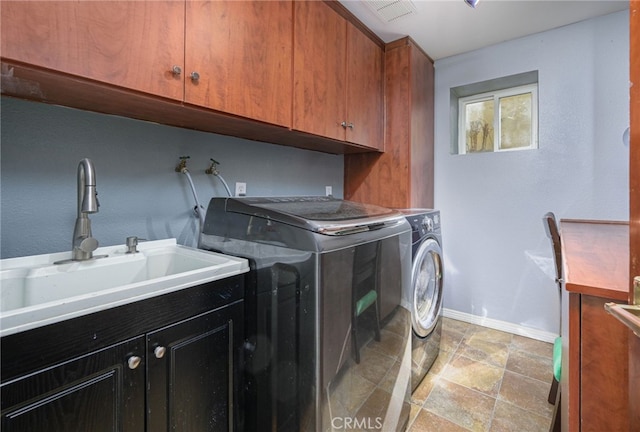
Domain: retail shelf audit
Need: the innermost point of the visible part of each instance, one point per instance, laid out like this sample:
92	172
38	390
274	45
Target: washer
425	296
324	301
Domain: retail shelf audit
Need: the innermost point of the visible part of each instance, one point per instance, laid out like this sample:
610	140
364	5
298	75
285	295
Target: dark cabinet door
191	373
99	392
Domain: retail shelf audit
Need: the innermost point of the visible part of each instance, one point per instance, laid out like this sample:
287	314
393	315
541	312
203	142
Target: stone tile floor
484	380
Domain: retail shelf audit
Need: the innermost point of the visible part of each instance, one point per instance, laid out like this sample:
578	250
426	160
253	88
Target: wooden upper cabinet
365	90
402	177
241	51
299	73
129	44
319	70
338	78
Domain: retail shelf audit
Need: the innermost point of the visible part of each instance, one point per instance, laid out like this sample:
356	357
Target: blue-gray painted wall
498	260
139	191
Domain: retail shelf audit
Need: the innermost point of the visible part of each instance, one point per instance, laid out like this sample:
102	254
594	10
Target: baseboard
500	325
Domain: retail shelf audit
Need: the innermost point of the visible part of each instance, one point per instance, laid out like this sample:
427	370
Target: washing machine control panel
430	223
427	223
424	223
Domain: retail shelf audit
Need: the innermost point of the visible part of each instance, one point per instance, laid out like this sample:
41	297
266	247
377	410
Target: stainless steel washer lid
324	215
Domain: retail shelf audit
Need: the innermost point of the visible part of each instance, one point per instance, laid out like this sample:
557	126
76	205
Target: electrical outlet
241	189
328	190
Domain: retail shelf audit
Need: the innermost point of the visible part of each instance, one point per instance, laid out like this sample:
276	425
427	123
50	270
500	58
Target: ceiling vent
392	10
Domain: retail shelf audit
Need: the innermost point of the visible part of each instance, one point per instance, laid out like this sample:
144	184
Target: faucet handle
88	245
183	163
213	167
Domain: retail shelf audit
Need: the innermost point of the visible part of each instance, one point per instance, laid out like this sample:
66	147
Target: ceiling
443	28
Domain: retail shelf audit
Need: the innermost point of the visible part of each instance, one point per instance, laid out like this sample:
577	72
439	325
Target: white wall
498	259
139	191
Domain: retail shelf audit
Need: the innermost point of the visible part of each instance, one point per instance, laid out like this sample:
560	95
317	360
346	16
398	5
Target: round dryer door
427	280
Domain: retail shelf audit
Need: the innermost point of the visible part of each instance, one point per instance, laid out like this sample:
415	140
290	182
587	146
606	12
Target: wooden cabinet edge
346	14
404	42
571	366
52	87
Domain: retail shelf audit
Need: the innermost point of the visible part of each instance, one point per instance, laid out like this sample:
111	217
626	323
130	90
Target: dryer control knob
428	224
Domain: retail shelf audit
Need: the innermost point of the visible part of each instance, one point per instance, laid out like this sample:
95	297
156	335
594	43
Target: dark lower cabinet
190	375
182	377
97	392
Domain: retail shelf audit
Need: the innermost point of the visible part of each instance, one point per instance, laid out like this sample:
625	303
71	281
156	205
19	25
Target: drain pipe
213	169
182	168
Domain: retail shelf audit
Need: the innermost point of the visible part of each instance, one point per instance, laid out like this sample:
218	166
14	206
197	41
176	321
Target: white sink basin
35	291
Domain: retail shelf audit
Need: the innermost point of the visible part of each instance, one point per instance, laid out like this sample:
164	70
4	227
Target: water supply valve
183	164
213	168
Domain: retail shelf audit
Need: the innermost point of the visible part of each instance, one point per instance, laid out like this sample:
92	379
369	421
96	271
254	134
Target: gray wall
497	256
139	191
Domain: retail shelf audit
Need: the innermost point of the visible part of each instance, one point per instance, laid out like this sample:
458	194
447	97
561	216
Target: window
501	120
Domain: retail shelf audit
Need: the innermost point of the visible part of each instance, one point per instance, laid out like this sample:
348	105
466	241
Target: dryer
426	292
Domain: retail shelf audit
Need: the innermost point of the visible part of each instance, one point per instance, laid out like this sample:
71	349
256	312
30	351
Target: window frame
496	96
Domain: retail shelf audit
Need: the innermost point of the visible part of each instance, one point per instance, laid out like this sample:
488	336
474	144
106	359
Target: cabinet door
604	369
132	44
193	374
319	70
97	392
402	177
365	90
241	51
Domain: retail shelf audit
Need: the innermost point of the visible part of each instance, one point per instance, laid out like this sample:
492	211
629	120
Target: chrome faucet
83	242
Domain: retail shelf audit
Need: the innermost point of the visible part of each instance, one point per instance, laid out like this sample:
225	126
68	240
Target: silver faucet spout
83	242
87	194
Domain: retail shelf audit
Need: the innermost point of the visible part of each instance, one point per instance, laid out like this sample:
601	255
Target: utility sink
36	292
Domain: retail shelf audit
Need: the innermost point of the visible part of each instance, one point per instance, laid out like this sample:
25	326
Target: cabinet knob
176	70
133	362
350	126
159	352
195	76
343	124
